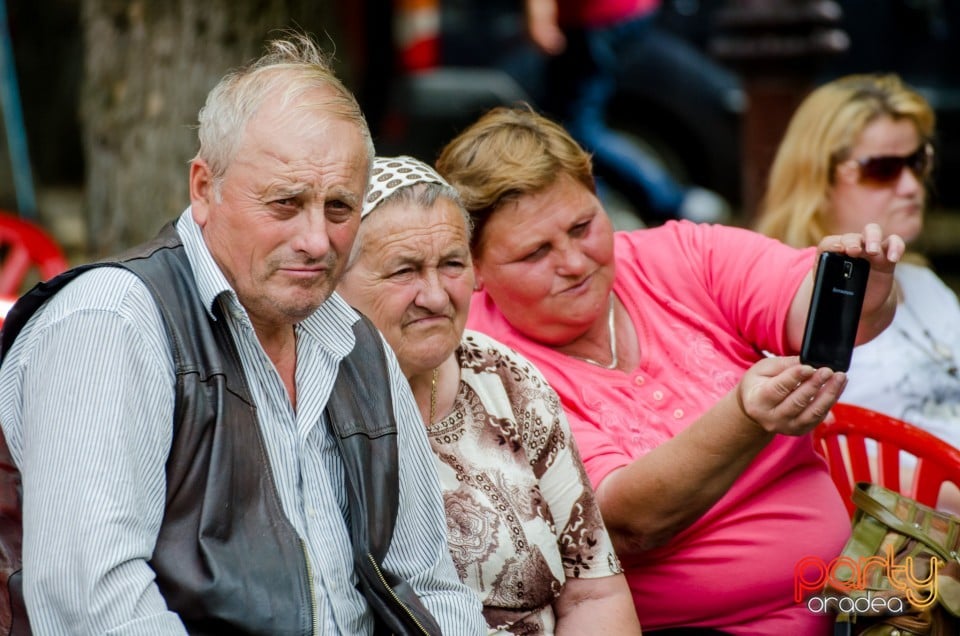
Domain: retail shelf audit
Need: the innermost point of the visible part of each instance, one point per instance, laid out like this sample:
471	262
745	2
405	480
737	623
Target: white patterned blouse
521	515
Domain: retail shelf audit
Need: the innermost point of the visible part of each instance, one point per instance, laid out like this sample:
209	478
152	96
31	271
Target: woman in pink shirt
695	442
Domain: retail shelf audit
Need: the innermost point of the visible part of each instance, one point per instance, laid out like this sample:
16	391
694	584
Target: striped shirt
86	404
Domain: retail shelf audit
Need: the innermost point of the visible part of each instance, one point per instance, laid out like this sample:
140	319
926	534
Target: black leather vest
227	559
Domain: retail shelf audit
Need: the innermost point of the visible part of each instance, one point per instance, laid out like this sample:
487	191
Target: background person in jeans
586	42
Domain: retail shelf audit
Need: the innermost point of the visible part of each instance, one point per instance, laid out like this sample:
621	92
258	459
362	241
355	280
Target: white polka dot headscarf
389	174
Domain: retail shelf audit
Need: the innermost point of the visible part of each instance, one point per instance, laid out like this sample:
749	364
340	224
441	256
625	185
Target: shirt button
638	380
677	414
658	395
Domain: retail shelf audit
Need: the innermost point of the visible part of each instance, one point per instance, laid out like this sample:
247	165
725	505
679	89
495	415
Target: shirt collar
211	282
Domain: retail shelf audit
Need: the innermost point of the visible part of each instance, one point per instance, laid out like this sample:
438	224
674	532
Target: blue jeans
581	81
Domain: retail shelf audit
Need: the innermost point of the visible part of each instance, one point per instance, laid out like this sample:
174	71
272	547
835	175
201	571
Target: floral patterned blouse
521	516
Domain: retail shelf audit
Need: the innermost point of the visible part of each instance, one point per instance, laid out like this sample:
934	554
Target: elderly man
179	416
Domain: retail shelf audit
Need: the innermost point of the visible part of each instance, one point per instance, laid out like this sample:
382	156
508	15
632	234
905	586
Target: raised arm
880	300
647	502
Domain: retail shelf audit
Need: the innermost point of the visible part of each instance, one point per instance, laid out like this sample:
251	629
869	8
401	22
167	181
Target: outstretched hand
883	252
784	396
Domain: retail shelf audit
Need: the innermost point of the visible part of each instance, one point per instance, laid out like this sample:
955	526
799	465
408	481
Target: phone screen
834	314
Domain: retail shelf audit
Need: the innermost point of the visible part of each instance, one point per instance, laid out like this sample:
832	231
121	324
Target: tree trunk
148	68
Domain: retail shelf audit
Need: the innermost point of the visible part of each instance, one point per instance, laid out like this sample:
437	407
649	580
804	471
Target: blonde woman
859	150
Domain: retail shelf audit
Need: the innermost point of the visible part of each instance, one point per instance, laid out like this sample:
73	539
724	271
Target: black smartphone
834	315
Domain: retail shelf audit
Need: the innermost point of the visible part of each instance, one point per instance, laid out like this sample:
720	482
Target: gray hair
423	194
289	67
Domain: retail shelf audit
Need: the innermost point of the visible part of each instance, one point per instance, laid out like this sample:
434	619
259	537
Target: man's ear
202	190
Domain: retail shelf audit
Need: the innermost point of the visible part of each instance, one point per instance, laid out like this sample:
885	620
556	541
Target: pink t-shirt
600	13
705	299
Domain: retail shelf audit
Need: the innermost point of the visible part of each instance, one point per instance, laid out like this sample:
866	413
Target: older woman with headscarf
523	527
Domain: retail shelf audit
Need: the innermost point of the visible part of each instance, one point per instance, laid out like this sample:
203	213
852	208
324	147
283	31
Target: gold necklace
612	331
433	394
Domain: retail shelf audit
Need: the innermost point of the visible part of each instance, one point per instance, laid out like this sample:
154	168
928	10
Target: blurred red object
842	440
25	247
417	31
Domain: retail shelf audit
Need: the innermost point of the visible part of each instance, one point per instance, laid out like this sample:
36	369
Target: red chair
25	246
25	251
842	440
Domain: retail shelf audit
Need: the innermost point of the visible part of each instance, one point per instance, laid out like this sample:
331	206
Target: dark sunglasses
887	169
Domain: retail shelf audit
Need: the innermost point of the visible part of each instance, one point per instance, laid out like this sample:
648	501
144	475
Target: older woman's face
413	279
896	206
546	260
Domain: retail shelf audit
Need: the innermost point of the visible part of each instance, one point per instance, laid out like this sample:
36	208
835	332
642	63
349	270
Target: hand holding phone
834	315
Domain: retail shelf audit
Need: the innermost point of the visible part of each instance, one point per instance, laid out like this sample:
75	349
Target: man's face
283	220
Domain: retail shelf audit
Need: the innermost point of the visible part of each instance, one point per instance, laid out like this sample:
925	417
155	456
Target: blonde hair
821	134
289	67
507	153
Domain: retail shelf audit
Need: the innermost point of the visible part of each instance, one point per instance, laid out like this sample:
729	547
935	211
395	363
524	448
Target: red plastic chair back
23	248
842	440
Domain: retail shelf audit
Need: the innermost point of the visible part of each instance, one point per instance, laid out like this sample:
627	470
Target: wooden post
777	47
